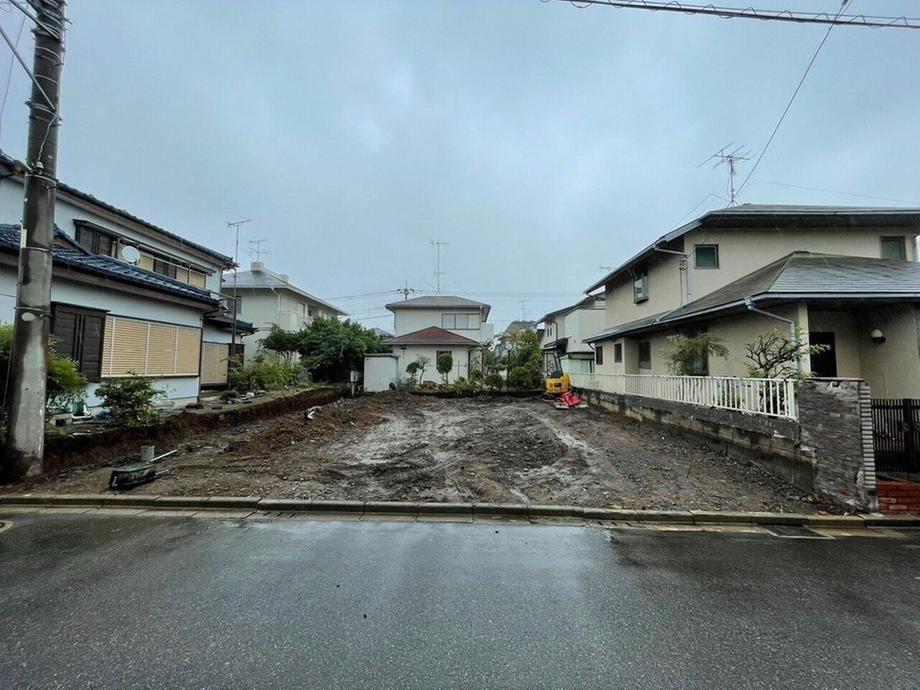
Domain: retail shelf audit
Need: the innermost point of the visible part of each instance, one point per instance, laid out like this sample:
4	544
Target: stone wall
829	450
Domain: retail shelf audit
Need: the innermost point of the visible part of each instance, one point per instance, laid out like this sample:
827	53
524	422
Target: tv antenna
437	244
729	157
255	249
405	291
524	309
606	269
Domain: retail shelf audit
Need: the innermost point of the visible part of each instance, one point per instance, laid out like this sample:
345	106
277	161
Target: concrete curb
471	510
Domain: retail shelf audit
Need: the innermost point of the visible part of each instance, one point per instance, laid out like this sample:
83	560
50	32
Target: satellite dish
130	254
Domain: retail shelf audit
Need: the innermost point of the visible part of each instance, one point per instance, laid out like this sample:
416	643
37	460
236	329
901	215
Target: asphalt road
122	601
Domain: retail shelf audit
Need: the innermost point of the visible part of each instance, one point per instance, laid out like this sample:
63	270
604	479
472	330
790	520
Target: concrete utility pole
29	355
235	227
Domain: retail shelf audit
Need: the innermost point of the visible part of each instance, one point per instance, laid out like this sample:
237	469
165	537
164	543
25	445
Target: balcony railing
770	397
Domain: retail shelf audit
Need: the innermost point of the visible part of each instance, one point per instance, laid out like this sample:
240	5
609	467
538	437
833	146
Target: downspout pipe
792	334
685	257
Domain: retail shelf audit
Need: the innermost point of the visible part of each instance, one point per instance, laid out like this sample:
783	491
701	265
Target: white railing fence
771	397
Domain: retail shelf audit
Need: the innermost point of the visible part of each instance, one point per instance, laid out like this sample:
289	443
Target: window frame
644	363
902	245
618	353
641	279
696	256
599	355
76	347
95	235
169	265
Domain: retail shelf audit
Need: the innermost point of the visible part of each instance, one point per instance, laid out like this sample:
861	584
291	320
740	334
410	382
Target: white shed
380	371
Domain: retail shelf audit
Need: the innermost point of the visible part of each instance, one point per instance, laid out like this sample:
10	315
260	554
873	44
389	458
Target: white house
127	295
564	333
429	327
265	298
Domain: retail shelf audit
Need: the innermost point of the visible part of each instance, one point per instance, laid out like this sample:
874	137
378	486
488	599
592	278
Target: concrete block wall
829	450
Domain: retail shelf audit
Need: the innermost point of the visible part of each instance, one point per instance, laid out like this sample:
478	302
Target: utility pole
31	327
437	244
235	227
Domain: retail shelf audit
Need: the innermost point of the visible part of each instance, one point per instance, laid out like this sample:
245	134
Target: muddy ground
404	447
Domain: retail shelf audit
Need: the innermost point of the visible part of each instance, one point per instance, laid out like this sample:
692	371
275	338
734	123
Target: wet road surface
139	601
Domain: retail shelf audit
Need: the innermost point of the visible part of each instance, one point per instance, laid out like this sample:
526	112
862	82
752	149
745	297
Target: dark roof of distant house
67	253
588	302
67	189
518	326
797	276
248	280
430	336
440	302
778	216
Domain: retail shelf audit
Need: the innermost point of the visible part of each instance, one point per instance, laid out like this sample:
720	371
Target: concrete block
779	519
718	517
284	504
446	508
517	509
234	502
190	502
848	521
538	511
337	506
25	499
683	516
609	514
92	500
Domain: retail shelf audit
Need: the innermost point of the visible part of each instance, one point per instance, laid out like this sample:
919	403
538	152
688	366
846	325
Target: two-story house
565	330
430	327
127	296
844	277
265	298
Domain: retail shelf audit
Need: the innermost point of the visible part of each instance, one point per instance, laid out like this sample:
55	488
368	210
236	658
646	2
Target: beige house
564	335
845	277
429	327
266	298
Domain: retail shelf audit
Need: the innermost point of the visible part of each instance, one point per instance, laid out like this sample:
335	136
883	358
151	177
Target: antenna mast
437	244
730	160
255	249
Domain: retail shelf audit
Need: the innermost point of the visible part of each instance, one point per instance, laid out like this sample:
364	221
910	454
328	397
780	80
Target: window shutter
149	348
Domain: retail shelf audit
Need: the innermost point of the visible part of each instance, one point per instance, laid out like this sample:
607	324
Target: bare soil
404	447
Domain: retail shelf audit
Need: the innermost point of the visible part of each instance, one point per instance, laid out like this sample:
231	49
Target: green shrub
445	365
65	385
130	400
265	374
494	381
525	378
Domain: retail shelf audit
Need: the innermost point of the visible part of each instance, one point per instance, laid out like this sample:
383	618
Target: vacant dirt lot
403	447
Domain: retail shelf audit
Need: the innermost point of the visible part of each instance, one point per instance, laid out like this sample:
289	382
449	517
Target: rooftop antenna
405	291
255	249
729	157
524	309
606	269
437	244
234	226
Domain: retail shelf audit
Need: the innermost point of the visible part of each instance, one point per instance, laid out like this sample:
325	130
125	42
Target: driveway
406	447
135	601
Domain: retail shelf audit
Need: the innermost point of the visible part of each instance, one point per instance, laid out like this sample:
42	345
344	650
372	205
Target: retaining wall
828	451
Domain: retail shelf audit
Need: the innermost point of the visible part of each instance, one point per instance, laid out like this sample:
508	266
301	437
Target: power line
837	191
826	18
9	74
791	100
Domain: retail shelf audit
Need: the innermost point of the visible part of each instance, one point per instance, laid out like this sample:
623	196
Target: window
707	255
149	348
617	353
598	354
310	312
78	334
164	268
645	354
448	321
823	364
460	321
95	241
640	288
894	248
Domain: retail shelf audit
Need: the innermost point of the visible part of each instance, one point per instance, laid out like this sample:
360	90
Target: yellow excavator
557	382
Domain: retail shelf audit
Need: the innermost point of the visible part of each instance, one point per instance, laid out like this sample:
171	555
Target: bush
495	382
130	400
690	356
525	378
265	374
65	386
281	342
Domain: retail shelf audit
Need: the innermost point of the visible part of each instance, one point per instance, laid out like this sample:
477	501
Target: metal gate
896	435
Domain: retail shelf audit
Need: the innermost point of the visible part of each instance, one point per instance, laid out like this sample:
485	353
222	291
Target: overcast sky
540	140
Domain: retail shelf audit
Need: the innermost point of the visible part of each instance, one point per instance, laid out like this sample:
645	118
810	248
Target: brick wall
899	497
829	450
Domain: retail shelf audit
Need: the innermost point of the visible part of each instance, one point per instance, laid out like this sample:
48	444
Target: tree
130	400
525	361
690	356
283	343
418	368
445	364
331	348
773	355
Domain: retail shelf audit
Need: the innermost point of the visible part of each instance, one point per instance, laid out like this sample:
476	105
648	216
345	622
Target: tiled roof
430	336
436	301
588	302
778	215
800	275
67	189
67	253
